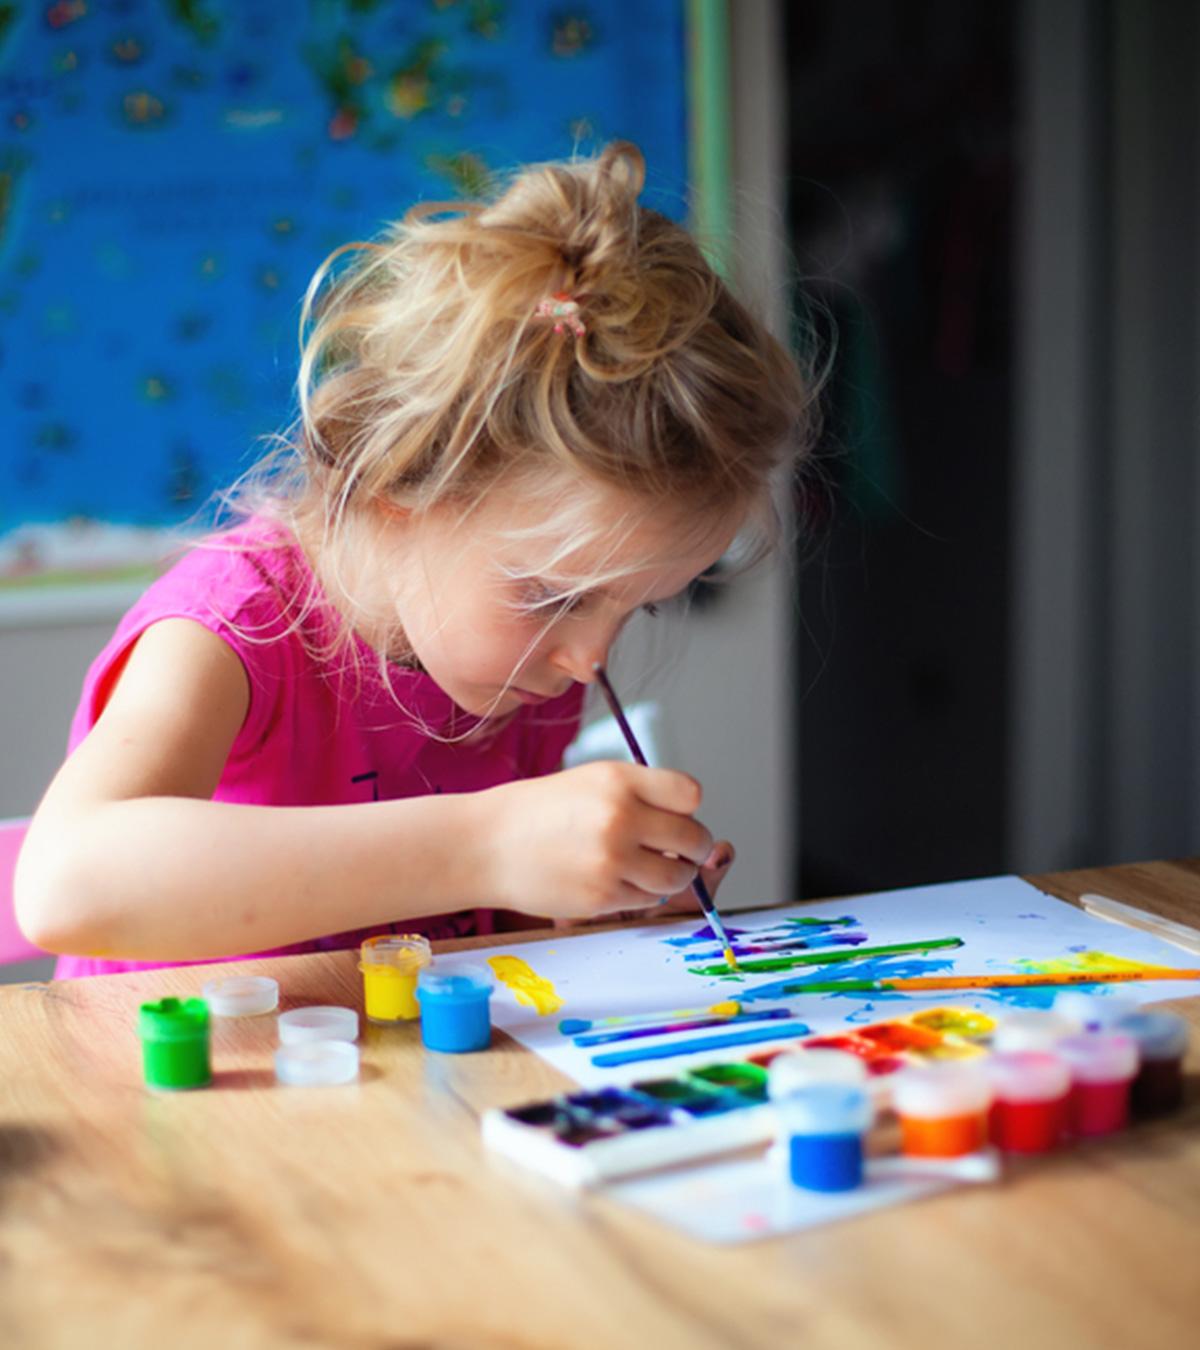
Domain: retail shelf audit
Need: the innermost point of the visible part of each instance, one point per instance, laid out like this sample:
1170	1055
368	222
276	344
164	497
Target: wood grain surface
248	1214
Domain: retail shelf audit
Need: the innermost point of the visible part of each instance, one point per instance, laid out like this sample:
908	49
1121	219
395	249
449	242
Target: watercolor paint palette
885	1047
587	1137
584	1138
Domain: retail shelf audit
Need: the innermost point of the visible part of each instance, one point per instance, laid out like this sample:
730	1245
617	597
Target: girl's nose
577	657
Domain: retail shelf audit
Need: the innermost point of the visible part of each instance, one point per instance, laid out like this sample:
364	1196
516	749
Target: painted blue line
591	1038
613	1059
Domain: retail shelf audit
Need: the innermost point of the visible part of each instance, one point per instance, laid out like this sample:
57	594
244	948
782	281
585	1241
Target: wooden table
368	1216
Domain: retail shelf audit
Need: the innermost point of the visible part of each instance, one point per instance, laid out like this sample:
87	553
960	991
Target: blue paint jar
823	1126
454	997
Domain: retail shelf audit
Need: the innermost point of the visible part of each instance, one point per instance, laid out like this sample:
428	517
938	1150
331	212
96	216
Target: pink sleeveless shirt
320	731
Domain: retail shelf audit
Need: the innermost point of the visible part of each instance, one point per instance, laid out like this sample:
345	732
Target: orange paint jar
943	1109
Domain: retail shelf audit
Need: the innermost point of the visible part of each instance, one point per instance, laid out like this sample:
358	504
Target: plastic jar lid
1028	1076
1093	1012
242	995
796	1069
941	1090
1099	1057
826	1108
1033	1030
1159	1035
317	1063
173	1019
302	1025
404	950
455	979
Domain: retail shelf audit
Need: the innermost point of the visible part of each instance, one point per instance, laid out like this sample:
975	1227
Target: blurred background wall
985	656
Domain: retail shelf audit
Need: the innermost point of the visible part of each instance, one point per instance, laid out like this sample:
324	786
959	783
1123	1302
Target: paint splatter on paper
529	988
842	958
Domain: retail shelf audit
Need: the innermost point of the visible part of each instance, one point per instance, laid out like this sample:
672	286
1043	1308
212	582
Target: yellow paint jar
390	964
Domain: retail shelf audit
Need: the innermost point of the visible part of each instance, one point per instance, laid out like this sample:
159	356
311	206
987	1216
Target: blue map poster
173	171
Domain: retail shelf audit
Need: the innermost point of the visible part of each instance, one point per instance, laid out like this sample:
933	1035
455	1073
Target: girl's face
493	640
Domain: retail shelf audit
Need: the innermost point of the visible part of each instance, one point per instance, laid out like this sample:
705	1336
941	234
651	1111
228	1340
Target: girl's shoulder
255	568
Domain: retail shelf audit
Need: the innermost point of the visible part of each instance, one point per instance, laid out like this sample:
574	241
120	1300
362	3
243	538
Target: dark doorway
903	174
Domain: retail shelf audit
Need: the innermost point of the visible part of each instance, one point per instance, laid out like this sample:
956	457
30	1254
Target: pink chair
14	946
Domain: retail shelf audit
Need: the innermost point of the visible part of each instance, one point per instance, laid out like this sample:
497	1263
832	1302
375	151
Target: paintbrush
706	900
917	983
573	1026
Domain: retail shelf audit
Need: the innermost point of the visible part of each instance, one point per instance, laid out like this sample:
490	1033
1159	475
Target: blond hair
427	374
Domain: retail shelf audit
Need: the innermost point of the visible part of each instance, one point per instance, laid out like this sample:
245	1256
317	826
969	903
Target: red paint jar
1029	1114
1102	1067
1162	1041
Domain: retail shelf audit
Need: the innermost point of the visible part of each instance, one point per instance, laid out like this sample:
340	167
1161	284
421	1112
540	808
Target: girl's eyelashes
539	597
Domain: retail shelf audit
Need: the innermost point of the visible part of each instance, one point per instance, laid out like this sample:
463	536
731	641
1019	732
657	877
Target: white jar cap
1093	1011
795	1069
1033	1030
826	1108
300	1025
1028	1076
1159	1035
1099	1057
317	1063
938	1091
241	995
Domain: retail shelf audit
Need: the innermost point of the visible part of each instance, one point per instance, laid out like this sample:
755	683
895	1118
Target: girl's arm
128	857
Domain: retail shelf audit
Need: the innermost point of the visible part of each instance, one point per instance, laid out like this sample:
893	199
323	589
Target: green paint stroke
824	957
809	922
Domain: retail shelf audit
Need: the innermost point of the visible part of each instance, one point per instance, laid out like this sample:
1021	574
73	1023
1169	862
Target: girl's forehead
629	548
590	528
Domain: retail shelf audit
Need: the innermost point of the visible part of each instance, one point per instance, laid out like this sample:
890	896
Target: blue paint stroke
868	968
613	1059
785	928
839	939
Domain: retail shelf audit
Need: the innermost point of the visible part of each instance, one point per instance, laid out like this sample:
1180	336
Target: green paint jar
174	1035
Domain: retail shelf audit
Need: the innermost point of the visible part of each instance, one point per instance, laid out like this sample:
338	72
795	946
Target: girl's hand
715	870
593	841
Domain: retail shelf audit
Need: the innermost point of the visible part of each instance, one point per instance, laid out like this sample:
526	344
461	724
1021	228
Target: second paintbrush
706	900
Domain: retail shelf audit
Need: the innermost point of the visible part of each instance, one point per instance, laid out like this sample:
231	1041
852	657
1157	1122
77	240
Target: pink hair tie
561	307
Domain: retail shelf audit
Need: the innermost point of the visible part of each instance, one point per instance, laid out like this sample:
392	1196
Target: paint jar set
1054	1081
451	997
455	998
390	964
175	1043
824	1124
317	1045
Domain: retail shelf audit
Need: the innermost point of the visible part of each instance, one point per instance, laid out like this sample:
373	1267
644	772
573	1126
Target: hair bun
602	230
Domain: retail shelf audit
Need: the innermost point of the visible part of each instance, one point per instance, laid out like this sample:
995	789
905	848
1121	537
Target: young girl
519	423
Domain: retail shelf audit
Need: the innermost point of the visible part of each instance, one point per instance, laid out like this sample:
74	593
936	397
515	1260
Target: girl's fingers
680	836
667	789
685	900
717	864
657	874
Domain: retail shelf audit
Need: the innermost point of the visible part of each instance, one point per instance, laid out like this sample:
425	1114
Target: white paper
1002	921
742	1199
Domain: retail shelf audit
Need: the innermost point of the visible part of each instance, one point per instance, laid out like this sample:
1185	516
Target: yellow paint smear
531	990
964	1022
1083	962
